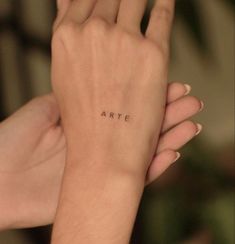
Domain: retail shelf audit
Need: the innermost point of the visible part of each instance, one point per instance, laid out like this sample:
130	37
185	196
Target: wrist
106	162
92	196
6	221
118	153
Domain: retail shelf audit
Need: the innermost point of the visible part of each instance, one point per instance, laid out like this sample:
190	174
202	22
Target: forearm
98	203
100	195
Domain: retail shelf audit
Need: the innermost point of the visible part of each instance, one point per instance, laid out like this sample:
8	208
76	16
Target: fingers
169	143
62	6
177	90
178	136
181	110
160	164
131	13
80	10
107	10
160	23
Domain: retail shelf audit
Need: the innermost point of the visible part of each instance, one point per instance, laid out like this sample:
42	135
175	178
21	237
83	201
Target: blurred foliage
192	201
232	2
189	11
198	199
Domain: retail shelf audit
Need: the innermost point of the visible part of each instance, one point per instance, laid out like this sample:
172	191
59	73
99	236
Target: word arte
116	116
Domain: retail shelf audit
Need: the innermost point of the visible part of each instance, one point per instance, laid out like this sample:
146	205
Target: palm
32	165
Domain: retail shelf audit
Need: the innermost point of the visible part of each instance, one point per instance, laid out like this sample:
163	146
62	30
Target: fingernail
188	89
202	106
199	129
178	155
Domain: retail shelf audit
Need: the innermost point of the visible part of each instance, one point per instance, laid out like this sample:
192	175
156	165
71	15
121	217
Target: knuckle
126	38
64	32
96	25
162	13
157	51
68	28
123	35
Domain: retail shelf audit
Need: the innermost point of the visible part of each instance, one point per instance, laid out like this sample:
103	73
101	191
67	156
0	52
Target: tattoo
118	116
111	115
127	118
103	114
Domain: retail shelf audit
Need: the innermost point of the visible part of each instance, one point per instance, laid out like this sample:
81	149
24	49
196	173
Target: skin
38	132
43	135
108	160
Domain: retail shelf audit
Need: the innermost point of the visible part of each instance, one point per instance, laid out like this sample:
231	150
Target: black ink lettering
118	116
103	114
127	118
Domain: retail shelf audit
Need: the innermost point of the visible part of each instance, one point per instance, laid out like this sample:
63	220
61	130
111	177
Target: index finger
62	6
160	24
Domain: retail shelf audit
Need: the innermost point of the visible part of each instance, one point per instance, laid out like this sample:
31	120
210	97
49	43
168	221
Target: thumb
41	112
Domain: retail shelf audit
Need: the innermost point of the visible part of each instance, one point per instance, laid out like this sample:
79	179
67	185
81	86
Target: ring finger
106	10
131	13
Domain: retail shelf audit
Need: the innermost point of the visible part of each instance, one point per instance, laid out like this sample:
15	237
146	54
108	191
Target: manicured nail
188	89
202	106
199	129
178	155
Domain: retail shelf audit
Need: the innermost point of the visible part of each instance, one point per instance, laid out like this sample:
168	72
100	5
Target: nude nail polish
188	89
202	106
178	155
199	129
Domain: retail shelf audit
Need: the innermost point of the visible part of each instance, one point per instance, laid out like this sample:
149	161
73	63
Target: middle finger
131	13
181	110
106	10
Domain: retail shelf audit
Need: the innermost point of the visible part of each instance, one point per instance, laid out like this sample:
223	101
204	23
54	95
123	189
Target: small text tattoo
117	116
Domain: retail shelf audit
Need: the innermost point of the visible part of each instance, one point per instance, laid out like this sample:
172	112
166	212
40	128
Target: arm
98	202
43	136
108	59
30	145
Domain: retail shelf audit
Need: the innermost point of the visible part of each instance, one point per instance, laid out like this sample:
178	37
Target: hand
110	84
101	82
24	185
32	157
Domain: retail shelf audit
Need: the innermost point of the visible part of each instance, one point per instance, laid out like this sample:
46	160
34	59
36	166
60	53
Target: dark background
194	201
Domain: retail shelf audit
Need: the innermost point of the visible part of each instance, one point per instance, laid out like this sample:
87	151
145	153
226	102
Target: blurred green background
193	203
